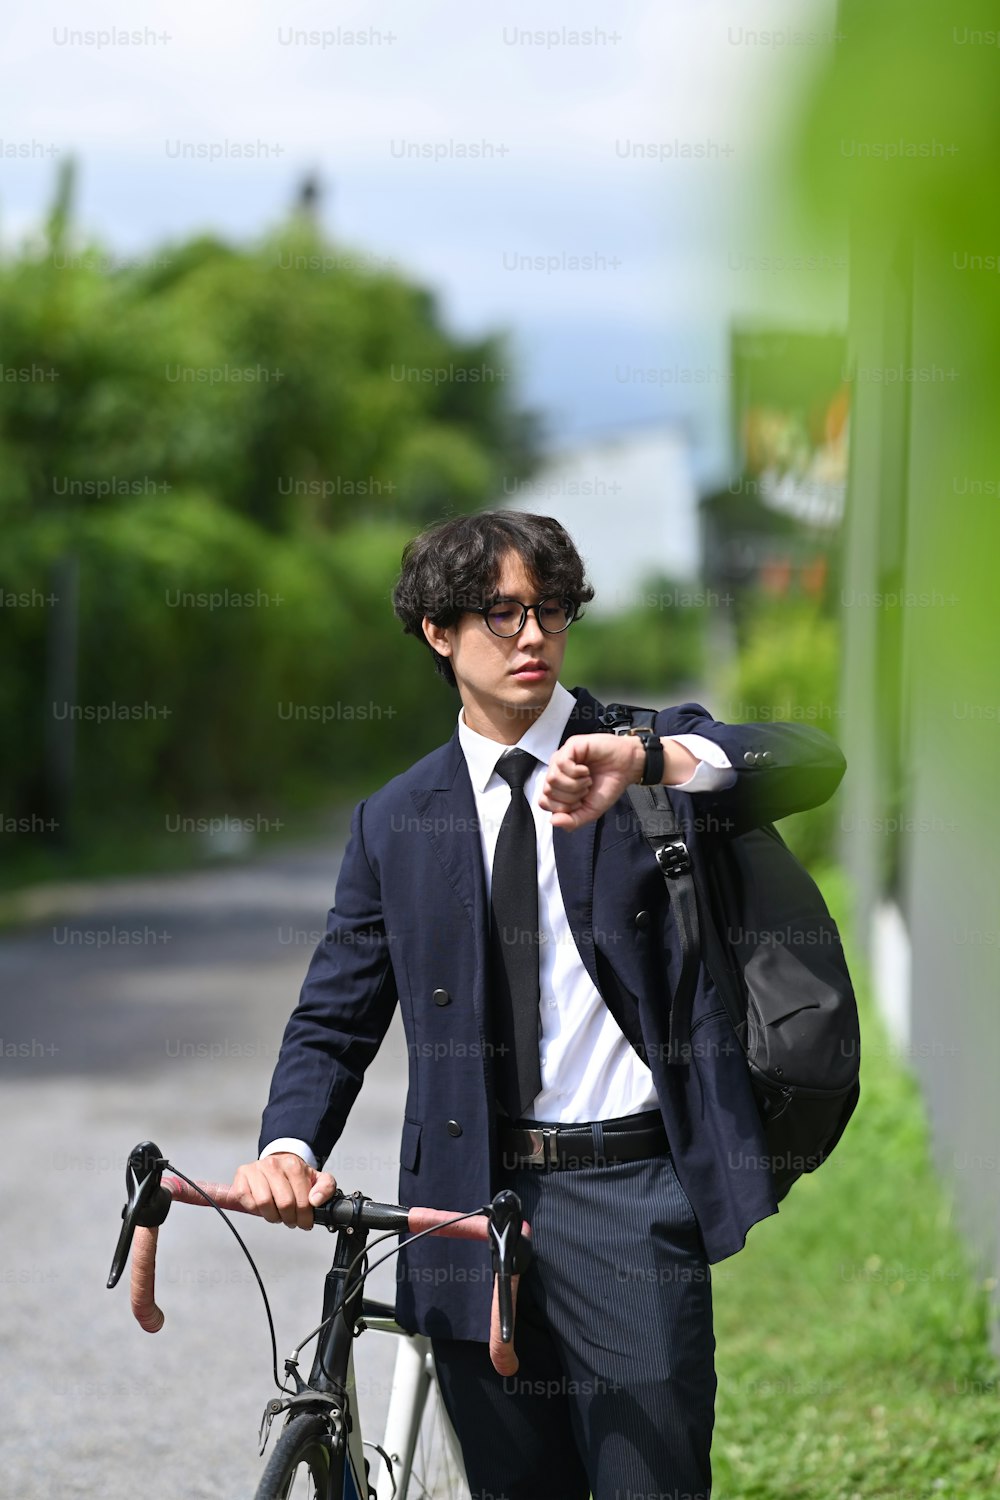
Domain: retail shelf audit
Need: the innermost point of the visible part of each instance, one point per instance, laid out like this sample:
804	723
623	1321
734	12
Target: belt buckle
543	1146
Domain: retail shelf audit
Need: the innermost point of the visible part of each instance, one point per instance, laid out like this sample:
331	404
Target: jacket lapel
447	809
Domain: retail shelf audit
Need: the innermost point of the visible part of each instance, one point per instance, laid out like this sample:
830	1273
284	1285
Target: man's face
500	694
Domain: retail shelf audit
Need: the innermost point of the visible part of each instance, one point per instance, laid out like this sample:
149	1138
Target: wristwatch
652	774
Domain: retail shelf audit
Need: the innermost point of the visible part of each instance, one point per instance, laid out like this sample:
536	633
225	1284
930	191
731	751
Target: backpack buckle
615	719
673	858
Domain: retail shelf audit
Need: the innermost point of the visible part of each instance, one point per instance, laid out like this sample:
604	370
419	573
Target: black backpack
777	961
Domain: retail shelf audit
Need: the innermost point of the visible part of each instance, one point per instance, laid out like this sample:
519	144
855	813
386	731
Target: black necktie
514	944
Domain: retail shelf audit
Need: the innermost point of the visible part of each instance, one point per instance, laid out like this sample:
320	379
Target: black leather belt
593	1144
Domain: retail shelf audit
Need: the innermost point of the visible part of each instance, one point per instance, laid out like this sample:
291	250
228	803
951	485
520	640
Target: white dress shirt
589	1069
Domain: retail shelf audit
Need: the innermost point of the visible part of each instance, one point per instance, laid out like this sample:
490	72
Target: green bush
644	651
220	670
788	671
296	386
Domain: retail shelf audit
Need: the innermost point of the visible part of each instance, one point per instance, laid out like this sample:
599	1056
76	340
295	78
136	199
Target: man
500	891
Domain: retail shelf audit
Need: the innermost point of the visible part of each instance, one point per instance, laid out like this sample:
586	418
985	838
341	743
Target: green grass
852	1331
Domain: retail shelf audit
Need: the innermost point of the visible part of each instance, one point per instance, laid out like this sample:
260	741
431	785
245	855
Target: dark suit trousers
615	1394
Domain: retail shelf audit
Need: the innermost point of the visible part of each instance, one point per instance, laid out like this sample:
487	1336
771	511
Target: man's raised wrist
638	758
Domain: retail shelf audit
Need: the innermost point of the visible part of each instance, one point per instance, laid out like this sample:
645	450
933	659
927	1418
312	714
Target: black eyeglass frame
485	610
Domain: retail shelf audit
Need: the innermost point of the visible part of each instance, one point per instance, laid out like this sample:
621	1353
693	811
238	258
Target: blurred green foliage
646	650
787	671
900	136
864	1372
294	384
231	445
233	671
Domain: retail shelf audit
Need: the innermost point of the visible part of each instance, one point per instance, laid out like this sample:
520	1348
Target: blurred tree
260	424
297	383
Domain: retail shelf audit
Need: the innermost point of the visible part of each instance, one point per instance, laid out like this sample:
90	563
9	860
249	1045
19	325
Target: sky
597	180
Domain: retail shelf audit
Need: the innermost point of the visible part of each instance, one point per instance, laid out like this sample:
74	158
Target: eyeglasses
506	617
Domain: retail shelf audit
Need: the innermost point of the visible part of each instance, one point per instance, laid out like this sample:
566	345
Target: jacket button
642	919
749	759
767	757
441	997
454	1128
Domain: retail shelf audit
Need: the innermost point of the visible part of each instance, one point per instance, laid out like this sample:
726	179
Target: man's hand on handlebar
282	1188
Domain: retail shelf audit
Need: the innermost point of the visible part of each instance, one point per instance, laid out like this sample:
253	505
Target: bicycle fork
329	1391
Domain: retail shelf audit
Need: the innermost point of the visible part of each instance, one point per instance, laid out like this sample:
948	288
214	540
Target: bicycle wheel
437	1470
418	1439
299	1467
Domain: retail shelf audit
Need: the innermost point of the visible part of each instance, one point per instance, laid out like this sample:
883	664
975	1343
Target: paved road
154	1007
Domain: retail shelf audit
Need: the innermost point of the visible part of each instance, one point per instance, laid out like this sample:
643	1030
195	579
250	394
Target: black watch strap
652	774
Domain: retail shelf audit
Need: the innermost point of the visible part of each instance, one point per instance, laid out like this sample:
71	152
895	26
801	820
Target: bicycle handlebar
151	1193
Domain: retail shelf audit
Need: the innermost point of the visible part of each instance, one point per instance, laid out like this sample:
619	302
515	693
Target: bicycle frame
331	1388
412	1378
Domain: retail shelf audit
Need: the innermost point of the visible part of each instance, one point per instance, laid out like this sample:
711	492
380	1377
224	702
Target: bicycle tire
437	1471
303	1448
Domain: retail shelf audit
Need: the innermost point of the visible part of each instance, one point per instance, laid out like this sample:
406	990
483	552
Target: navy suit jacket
410	926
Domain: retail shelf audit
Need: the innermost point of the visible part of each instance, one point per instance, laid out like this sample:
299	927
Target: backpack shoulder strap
696	930
659	824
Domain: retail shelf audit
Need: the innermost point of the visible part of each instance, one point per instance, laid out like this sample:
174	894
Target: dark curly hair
455	565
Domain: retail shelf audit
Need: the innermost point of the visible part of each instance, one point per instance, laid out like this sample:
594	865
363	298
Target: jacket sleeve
344	1009
779	768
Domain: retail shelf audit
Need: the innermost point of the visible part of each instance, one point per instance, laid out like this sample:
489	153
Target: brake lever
148	1201
505	1241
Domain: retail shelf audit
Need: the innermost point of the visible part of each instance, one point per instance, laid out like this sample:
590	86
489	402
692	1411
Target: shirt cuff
714	770
289	1143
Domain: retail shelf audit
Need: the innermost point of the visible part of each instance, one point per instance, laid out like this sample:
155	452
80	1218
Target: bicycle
320	1454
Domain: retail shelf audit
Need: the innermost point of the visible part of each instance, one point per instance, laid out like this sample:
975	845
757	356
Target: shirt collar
541	739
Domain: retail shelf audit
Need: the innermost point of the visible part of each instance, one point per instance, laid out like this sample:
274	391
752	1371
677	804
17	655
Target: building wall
920	810
953	688
630	504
